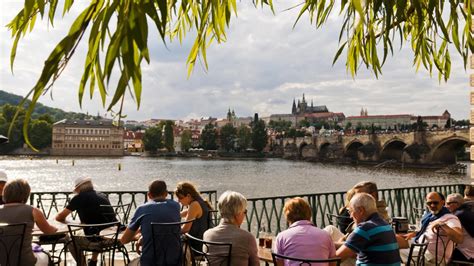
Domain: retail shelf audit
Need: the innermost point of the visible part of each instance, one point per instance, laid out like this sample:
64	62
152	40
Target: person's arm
345	252
42	223
402	241
128	236
184	213
453	233
61	217
193	211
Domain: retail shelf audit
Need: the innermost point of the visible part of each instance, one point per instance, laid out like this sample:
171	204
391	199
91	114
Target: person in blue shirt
157	209
373	240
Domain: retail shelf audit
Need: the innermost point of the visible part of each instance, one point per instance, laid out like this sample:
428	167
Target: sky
264	64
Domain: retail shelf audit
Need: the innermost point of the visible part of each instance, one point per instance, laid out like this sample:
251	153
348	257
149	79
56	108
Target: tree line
228	138
40	129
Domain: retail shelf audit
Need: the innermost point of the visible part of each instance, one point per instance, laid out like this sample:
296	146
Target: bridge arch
393	150
446	150
324	150
352	148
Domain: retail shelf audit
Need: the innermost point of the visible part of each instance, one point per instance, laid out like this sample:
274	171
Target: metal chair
212	218
440	259
11	241
119	211
302	261
416	256
343	222
167	243
212	253
100	238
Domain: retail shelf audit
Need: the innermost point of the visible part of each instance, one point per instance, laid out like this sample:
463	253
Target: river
253	178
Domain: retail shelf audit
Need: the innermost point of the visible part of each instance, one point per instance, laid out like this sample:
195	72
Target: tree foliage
259	135
118	37
186	143
228	135
152	139
41	134
244	136
209	137
169	136
279	125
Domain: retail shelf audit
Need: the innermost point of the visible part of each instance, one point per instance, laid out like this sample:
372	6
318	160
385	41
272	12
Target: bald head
434	202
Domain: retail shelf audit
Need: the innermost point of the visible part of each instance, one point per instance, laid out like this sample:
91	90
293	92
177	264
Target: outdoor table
58	237
265	255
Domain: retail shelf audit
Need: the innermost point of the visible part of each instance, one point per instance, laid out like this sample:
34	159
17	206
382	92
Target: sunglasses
428	203
452	202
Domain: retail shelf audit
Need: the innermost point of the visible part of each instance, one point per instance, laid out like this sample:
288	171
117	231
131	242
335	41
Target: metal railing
268	212
50	203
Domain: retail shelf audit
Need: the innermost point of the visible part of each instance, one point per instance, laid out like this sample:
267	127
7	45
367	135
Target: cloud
264	64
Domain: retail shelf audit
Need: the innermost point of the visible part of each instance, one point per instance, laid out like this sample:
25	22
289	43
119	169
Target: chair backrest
51	204
97	237
212	218
342	222
442	243
119	211
11	242
416	256
302	261
212	253
167	244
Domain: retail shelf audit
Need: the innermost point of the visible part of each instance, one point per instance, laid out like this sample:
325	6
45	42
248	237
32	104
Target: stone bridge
420	147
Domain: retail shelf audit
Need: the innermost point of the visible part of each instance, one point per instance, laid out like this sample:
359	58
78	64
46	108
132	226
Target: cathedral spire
304	101
293	107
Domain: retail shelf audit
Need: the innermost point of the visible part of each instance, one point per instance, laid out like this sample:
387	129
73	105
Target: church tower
293	108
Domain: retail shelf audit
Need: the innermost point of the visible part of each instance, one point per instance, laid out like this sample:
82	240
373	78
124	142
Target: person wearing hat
3	181
87	202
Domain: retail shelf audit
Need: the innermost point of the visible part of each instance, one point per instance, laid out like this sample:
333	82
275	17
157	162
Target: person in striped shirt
373	241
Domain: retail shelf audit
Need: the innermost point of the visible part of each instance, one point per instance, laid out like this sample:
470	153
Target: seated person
87	202
371	188
339	236
438	218
15	210
3	181
454	201
373	240
303	239
197	209
465	251
233	208
345	220
158	209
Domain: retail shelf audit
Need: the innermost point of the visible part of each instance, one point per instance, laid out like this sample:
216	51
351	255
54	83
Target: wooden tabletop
265	254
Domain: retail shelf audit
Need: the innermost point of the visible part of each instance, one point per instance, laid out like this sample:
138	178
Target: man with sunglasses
437	219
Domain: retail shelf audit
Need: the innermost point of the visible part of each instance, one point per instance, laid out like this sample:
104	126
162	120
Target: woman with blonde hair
197	209
15	210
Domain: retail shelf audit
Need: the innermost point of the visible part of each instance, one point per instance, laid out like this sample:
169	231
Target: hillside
55	113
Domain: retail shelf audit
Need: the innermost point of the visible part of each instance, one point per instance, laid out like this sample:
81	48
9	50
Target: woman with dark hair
196	208
15	210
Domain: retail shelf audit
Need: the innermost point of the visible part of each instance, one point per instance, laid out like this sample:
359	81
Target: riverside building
87	137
